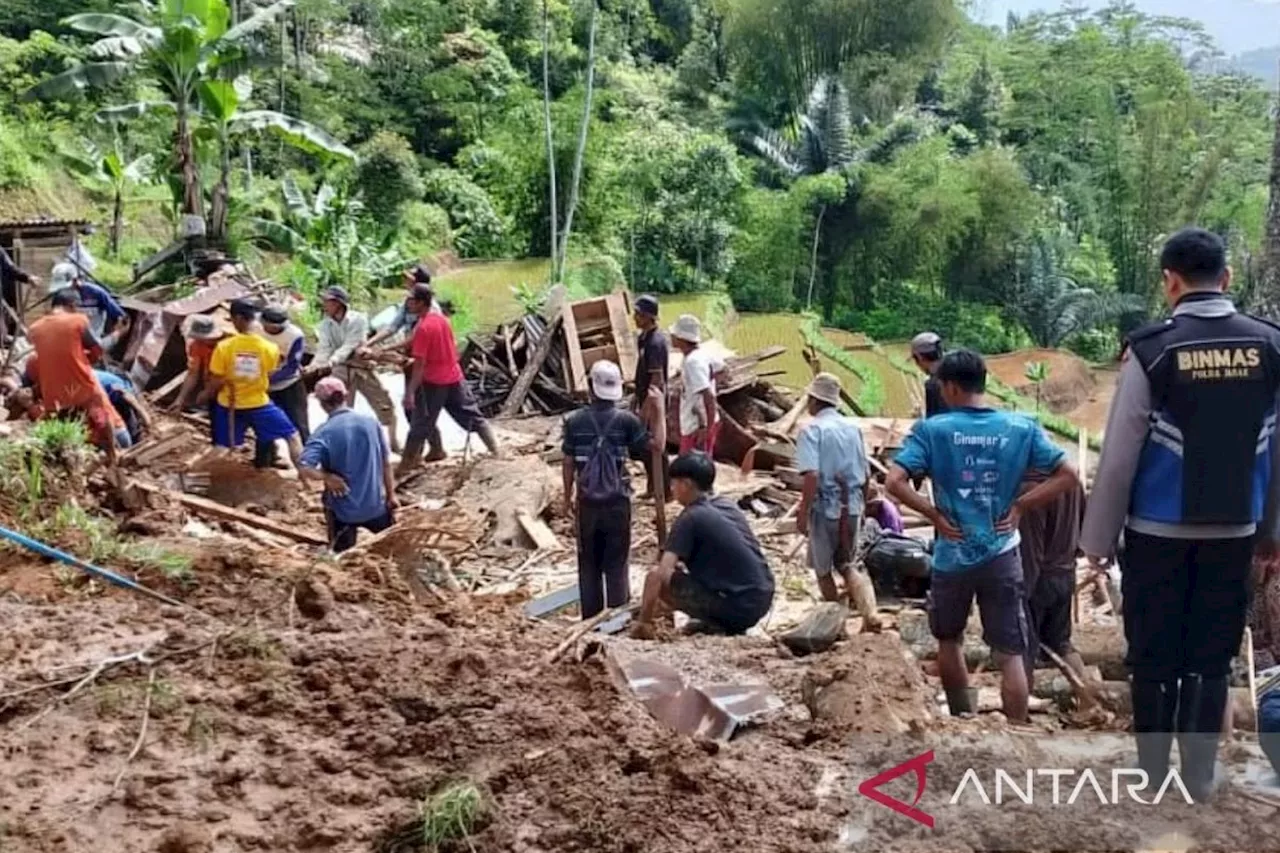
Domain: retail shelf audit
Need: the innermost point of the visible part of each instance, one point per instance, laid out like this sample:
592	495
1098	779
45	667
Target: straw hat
825	387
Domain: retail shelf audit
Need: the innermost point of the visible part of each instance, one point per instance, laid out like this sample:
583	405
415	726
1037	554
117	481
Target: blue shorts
268	423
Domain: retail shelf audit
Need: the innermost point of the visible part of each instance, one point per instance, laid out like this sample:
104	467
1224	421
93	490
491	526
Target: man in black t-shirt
654	350
713	568
597	441
927	352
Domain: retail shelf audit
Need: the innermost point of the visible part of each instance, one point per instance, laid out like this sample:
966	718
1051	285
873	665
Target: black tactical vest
1213	385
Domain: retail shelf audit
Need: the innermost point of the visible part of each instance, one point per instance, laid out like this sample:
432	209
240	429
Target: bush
387	176
903	313
1100	346
478	230
424	229
594	276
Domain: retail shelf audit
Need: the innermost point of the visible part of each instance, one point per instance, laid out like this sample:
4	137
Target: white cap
925	343
688	328
606	381
64	275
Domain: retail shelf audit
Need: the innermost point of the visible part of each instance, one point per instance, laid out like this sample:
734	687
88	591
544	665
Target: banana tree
113	169
220	101
176	45
331	240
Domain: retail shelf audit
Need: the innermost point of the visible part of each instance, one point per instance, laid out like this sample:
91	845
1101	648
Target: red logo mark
871	788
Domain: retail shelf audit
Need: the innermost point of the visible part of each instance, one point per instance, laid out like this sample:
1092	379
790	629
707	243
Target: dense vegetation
891	166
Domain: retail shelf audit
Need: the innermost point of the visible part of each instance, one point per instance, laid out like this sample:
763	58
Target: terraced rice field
753	332
900	390
488	286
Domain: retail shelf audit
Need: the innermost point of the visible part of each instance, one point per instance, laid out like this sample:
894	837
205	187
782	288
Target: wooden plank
153	448
168	388
541	535
623	339
552	602
511	352
577	372
533	365
227	513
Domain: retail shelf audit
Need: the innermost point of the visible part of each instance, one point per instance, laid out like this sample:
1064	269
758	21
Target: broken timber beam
167	389
531	368
227	513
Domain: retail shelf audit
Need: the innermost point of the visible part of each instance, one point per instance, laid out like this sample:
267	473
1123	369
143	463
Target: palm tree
822	142
111	168
1052	306
180	46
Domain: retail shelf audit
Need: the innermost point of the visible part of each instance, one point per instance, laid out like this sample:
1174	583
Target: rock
819	629
313	598
186	838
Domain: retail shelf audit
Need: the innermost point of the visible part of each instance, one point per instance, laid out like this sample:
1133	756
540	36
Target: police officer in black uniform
1189	470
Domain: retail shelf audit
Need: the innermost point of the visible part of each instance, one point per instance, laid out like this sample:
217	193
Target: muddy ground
296	703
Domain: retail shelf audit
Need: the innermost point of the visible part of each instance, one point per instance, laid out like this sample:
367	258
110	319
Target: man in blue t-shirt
977	458
124	398
349	454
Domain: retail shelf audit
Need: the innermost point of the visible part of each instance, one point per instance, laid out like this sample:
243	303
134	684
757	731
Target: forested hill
892	164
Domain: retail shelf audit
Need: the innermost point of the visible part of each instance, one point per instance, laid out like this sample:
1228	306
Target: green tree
1052	306
116	171
387	176
191	53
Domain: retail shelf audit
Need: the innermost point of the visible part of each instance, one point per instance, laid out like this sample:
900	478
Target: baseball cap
274	315
606	381
926	343
647	304
336	294
244	309
330	388
64	275
688	328
825	387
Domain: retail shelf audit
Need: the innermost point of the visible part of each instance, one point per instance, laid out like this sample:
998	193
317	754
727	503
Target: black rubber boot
1201	704
962	702
1154	707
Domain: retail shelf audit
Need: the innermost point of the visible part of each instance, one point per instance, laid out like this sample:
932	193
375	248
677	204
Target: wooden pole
1084	459
658	483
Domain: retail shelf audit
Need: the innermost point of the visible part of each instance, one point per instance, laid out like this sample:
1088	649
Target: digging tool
61	556
658	483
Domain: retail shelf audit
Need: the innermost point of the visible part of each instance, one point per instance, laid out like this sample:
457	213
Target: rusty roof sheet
198	303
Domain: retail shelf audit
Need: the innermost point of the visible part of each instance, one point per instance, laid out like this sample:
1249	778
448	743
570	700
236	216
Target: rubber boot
962	702
435	446
490	442
1201	704
412	456
1154	706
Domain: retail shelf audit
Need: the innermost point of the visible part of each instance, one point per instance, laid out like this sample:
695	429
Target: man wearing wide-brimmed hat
202	334
340	334
833	459
699	416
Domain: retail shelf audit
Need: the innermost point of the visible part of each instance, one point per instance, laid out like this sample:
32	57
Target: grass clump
453	813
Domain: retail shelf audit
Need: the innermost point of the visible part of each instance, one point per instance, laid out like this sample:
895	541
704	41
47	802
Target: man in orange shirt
202	333
66	349
436	383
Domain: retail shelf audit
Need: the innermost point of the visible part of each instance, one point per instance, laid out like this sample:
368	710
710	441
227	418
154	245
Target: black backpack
600	478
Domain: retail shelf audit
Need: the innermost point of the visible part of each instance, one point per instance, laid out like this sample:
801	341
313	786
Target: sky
1238	25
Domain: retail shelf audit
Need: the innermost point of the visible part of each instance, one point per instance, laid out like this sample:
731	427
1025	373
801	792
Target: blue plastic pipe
63	557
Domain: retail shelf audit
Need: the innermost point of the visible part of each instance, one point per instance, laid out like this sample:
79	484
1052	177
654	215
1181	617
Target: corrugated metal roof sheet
13	224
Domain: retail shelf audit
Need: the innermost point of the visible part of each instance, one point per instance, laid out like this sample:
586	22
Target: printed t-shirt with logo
245	362
977	459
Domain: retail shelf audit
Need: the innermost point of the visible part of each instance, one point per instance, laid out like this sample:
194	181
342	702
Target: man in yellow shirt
240	375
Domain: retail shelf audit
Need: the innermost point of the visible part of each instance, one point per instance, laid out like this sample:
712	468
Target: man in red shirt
66	349
436	383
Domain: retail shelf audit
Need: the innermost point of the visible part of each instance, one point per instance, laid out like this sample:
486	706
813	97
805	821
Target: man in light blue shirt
349	454
977	458
833	459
